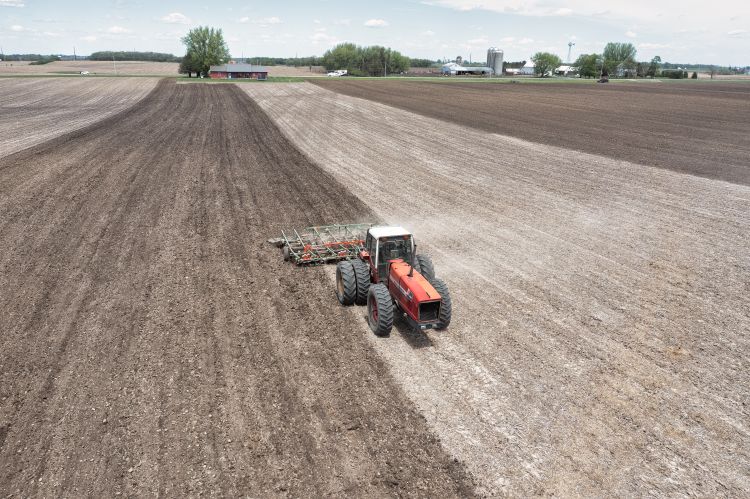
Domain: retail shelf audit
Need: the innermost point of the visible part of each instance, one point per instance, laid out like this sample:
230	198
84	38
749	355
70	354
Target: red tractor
388	276
378	267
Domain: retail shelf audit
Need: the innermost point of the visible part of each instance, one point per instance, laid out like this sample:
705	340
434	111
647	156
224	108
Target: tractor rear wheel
346	283
444	319
362	274
425	267
287	253
380	310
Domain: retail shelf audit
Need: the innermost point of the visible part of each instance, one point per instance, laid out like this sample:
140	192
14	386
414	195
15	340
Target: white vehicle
84	72
340	72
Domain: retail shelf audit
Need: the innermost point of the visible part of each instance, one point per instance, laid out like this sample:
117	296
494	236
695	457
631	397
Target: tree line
617	59
365	61
108	55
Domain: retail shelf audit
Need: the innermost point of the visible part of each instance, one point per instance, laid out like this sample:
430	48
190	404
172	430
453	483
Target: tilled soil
94	67
39	109
153	342
601	307
697	128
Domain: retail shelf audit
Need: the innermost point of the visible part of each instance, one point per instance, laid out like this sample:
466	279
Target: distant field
33	110
135	68
295	71
692	127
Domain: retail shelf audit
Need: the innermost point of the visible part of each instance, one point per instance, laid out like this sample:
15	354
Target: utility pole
570	46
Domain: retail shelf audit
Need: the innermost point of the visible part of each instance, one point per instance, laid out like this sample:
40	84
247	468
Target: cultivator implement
321	244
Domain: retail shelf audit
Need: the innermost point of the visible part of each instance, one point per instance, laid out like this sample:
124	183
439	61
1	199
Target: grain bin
495	60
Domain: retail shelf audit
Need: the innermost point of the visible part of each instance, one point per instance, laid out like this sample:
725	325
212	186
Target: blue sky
679	31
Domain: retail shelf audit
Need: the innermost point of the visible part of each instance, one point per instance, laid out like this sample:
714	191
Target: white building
527	69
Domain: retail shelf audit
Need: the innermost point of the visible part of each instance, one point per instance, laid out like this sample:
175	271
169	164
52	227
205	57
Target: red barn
233	71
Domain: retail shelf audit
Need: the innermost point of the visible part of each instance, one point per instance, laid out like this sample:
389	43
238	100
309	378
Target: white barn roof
378	232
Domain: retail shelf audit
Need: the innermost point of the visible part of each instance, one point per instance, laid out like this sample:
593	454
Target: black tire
380	310
426	268
416	265
362	274
346	283
444	319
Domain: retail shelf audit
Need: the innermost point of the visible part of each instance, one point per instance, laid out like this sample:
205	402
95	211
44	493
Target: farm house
234	71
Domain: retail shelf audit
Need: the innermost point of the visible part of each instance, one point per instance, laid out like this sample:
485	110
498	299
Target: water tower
495	60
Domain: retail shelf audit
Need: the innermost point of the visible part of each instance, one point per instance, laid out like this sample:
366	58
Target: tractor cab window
392	248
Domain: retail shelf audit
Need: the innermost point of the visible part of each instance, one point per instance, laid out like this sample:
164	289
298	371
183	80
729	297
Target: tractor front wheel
380	310
444	319
346	283
424	266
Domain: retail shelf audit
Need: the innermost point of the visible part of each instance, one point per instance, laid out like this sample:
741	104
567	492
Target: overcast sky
679	31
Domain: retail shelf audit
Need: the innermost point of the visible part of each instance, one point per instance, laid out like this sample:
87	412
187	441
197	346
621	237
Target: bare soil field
295	71
153	343
691	127
35	110
125	68
600	342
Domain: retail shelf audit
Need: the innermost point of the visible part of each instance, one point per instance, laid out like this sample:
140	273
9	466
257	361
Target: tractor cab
385	244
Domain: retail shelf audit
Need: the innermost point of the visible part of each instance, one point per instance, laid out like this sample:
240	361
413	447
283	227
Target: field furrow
35	110
601	306
154	344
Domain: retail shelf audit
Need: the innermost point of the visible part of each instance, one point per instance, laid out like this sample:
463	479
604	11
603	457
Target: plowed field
697	128
154	344
601	307
35	110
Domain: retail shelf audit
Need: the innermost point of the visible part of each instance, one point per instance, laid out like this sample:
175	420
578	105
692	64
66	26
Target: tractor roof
378	232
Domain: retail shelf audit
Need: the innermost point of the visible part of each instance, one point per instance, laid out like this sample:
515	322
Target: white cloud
737	33
690	15
18	28
342	22
429	32
631	34
117	30
51	34
376	23
263	22
176	18
320	37
11	3
89	38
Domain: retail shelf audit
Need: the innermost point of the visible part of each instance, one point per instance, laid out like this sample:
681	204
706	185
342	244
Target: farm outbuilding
233	71
453	68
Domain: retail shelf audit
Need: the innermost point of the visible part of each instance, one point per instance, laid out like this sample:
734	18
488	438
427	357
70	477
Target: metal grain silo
495	60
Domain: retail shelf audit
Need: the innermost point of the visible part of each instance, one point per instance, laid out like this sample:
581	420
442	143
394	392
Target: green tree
205	47
654	67
588	65
370	61
544	62
619	57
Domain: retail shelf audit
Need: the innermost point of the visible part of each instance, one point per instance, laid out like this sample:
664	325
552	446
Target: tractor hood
415	289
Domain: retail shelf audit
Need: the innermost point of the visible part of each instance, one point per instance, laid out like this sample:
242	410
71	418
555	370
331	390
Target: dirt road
152	342
697	128
35	110
599	342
